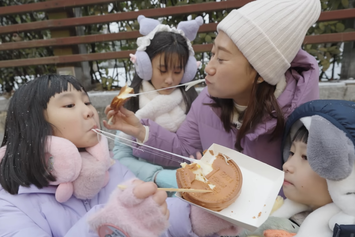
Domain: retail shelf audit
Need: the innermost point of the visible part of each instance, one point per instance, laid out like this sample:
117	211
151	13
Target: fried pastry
223	177
121	98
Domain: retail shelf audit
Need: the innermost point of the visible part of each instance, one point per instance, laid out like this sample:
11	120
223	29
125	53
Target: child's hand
125	121
136	209
144	190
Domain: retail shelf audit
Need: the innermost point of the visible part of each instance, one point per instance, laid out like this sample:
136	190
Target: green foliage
329	54
123	26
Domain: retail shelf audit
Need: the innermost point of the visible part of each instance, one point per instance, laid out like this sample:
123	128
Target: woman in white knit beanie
251	56
256	77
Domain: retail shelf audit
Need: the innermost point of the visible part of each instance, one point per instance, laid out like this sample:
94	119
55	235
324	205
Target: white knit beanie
269	33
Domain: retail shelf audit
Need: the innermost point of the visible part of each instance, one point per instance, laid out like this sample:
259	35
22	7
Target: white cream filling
204	168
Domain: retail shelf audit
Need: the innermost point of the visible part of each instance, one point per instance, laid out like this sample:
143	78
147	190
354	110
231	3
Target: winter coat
35	212
203	127
148	172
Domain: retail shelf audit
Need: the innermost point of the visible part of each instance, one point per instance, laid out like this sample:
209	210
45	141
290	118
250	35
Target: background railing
72	50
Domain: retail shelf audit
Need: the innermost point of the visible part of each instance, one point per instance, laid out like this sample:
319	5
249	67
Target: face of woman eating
229	74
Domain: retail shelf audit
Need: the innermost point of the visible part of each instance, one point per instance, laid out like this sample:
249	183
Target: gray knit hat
269	33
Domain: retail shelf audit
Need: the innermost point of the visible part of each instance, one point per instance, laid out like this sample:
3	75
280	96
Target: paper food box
261	186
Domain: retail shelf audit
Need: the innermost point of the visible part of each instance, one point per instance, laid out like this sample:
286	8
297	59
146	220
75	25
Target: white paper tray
261	185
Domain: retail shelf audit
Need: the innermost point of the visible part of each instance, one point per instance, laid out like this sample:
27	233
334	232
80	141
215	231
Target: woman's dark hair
301	135
262	105
26	131
170	44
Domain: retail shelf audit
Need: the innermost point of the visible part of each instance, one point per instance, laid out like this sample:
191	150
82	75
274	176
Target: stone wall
343	90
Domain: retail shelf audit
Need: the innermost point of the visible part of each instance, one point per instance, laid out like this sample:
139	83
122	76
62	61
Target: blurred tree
330	54
99	68
348	55
11	77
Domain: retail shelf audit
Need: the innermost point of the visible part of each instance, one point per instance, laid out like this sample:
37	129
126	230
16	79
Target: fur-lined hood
330	152
331	127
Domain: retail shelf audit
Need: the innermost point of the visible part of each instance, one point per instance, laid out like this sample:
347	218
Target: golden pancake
225	181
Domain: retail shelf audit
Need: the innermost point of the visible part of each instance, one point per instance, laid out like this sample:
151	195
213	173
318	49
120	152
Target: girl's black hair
301	135
26	131
170	44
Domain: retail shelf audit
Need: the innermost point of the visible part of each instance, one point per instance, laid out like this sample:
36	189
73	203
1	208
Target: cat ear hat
149	27
330	145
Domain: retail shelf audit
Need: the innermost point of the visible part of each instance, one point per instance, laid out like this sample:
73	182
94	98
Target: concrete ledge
339	90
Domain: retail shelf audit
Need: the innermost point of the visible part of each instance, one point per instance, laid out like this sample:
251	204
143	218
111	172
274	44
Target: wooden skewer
122	187
186	190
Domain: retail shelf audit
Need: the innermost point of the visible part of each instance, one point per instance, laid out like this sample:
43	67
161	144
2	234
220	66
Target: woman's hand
197	157
125	121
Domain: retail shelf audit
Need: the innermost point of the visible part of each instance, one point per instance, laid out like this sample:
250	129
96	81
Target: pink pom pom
64	192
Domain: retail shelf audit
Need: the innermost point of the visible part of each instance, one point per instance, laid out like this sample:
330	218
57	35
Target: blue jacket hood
340	113
331	138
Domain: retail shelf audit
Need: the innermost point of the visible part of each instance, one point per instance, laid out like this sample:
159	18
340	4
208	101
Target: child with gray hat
318	151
